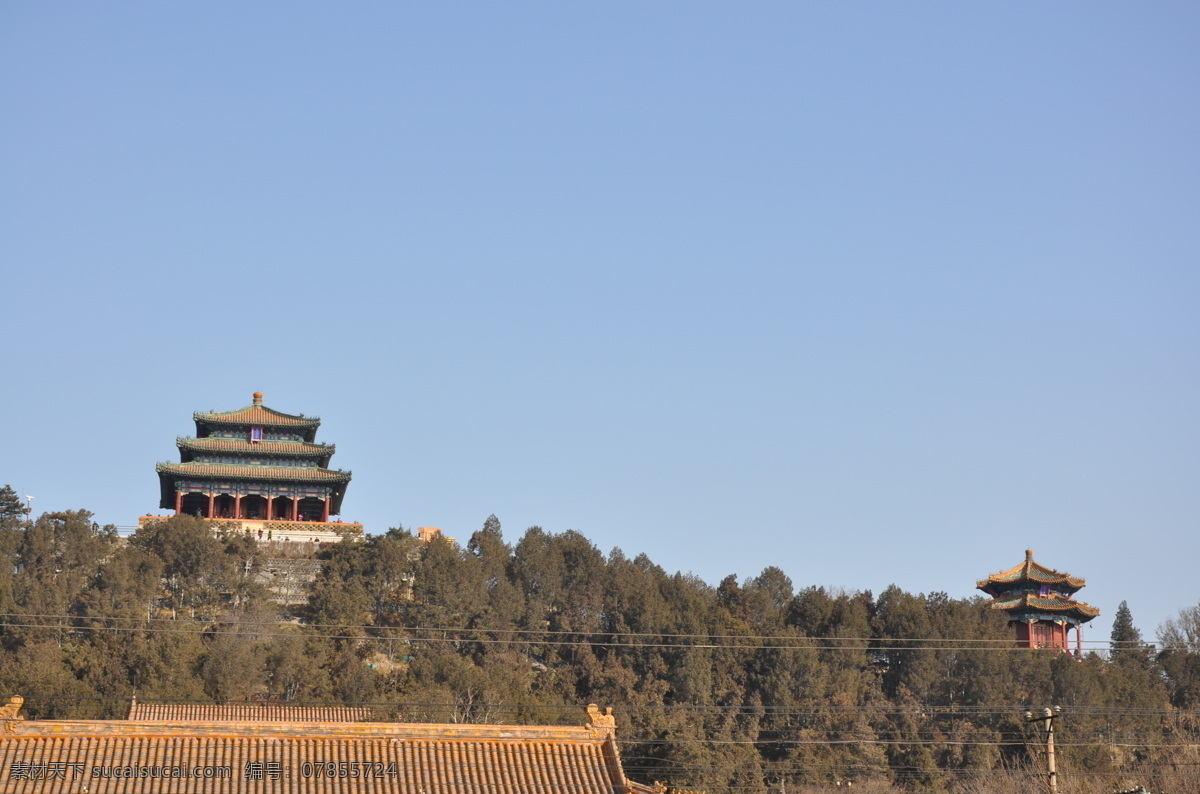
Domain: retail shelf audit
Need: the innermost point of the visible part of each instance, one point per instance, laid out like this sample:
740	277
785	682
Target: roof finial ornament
1028	555
602	724
258	398
9	713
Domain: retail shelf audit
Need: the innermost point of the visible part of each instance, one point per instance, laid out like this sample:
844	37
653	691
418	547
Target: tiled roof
242	446
1028	602
255	415
231	471
336	758
1028	571
246	712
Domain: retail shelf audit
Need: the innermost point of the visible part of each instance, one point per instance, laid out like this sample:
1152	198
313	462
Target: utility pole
1047	717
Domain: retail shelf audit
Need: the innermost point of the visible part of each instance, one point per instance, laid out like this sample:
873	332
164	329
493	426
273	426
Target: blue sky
872	292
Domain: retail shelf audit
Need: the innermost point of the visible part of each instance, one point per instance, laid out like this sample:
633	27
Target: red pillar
212	503
325	509
1024	635
295	509
179	503
237	506
268	498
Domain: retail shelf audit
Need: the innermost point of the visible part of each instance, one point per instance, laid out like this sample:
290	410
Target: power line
922	738
569	632
487	636
922	710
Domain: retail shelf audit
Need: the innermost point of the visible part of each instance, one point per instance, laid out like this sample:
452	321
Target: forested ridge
752	685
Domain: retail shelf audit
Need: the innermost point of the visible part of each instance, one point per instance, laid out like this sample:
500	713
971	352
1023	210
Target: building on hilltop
227	756
257	470
1039	605
430	534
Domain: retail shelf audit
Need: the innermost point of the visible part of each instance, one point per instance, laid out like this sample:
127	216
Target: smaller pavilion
1039	605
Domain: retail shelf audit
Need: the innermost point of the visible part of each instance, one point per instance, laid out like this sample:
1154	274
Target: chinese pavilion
1038	603
257	469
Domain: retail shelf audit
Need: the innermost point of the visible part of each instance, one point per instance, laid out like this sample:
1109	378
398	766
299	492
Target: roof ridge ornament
10	713
258	398
603	725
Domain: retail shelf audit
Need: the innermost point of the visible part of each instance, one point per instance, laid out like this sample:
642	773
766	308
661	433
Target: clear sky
874	292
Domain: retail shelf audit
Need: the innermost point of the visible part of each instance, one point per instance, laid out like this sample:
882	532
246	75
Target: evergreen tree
197	567
752	686
491	526
1125	643
11	506
505	603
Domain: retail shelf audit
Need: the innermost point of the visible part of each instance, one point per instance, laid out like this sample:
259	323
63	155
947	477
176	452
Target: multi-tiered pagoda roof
192	448
214	422
1032	593
253	463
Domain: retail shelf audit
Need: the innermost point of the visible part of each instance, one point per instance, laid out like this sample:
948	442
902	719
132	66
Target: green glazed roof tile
231	471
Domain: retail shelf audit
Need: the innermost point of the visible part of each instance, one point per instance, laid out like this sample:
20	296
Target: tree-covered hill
753	685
